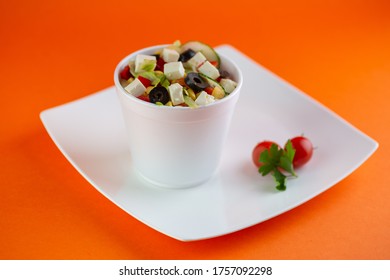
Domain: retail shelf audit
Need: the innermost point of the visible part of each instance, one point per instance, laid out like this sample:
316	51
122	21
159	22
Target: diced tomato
125	73
219	79
144	81
160	64
209	90
214	63
144	97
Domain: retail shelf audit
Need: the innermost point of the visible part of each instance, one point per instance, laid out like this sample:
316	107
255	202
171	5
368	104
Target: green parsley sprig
276	159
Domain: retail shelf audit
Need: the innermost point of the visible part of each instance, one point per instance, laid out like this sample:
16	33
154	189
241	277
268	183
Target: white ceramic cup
176	147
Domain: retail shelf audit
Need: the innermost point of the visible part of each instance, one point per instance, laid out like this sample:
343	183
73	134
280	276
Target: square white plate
90	134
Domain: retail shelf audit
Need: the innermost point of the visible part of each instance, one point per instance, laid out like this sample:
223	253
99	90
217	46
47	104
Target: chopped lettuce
156	77
164	81
147	65
151	76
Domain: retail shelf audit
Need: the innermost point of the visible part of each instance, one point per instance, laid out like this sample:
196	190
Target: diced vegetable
205	49
186	75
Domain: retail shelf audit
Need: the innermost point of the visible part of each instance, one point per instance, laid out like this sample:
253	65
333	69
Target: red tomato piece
209	90
144	81
125	73
144	97
160	64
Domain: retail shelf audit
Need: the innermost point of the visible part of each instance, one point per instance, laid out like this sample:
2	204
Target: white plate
90	133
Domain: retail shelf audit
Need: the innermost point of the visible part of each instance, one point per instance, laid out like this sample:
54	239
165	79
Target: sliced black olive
159	94
224	74
185	56
196	82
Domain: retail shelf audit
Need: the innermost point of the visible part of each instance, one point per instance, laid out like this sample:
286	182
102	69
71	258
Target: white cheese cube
170	55
204	98
144	62
228	85
176	93
135	88
209	70
196	60
174	70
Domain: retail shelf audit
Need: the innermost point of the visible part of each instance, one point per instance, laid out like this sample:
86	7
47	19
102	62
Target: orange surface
52	52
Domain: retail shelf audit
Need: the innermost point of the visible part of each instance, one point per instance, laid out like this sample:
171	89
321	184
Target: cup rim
149	50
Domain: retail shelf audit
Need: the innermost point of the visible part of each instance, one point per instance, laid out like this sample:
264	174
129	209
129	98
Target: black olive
185	56
159	94
224	74
196	82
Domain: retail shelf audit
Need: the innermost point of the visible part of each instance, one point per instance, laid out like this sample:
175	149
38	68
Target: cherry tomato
303	150
259	148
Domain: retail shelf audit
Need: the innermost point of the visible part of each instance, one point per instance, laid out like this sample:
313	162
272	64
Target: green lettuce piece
164	81
147	65
151	76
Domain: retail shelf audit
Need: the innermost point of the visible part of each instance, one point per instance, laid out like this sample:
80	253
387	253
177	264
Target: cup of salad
177	102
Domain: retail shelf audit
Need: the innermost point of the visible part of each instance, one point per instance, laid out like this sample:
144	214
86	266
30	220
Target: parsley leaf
266	168
268	165
280	179
276	159
290	151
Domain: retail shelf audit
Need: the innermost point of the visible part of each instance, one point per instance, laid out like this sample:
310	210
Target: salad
186	74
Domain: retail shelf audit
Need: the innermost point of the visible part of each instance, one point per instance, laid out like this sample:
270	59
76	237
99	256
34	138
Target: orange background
52	52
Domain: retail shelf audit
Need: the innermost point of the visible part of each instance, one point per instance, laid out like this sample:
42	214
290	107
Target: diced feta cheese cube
176	93
228	85
174	70
135	88
170	55
142	61
209	70
196	60
204	98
